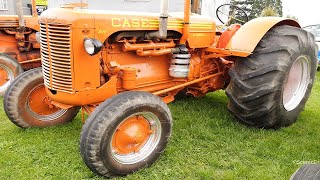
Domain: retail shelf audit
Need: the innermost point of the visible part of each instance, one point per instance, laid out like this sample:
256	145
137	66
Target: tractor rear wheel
9	70
125	133
27	105
307	172
270	88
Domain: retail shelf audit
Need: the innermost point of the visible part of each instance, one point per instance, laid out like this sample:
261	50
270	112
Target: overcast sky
307	11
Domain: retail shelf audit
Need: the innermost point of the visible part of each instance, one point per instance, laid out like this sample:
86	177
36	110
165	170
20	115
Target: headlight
92	46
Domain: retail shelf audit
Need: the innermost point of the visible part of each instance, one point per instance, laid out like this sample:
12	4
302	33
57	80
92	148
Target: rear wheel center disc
297	83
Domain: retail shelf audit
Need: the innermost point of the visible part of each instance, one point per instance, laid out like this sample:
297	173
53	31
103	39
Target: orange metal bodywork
20	46
249	35
152	71
129	61
227	35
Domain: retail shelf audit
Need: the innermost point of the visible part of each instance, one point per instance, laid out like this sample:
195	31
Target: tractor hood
106	23
75	18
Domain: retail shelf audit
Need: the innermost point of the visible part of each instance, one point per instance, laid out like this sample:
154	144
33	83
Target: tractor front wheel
9	70
270	88
27	105
125	133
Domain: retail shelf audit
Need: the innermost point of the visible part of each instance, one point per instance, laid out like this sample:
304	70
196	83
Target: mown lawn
206	143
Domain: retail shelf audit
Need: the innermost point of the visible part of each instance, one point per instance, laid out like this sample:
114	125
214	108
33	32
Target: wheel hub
38	102
6	76
40	107
297	83
131	135
3	76
135	138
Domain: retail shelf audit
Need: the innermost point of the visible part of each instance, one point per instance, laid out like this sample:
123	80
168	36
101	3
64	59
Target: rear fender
249	35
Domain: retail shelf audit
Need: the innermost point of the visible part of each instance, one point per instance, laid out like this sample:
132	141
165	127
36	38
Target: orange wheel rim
38	102
4	78
131	135
135	138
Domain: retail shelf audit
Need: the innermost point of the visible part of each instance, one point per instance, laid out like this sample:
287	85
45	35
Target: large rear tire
9	70
307	172
270	88
26	105
125	133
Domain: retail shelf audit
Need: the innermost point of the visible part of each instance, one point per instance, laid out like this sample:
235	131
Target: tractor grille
56	56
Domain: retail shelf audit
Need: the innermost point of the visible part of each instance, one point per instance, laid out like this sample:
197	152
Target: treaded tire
257	82
16	103
100	127
13	69
307	172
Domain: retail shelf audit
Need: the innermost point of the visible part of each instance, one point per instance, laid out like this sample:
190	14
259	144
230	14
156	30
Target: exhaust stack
186	22
163	19
20	15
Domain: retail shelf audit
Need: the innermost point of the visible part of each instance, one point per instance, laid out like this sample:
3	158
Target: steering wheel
235	15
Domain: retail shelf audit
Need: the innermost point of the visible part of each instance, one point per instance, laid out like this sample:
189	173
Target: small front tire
125	133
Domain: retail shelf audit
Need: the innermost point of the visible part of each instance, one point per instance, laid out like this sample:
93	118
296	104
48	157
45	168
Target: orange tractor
19	50
122	68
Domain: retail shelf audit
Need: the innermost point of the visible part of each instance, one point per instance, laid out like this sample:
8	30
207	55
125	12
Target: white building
8	7
208	7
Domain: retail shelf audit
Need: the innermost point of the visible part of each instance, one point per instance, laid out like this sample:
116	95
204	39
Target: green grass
207	142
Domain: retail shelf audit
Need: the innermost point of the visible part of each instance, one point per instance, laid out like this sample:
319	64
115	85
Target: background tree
268	11
254	8
292	17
